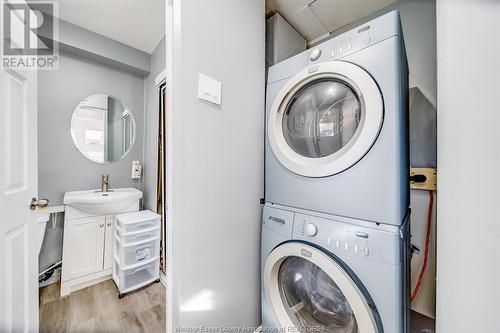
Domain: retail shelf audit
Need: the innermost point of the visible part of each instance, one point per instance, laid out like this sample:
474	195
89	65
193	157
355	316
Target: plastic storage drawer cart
136	250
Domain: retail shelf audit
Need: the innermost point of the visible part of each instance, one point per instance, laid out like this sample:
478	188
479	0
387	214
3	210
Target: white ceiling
137	23
317	18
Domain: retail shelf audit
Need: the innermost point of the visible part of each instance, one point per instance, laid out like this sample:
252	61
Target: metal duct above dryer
423	130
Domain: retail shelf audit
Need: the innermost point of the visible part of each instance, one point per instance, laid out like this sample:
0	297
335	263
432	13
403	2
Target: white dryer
337	126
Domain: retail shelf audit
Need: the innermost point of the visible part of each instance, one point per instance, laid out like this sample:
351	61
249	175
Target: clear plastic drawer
137	221
137	236
129	279
136	253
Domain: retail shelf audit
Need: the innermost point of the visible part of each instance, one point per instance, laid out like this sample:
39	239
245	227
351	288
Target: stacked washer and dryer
335	234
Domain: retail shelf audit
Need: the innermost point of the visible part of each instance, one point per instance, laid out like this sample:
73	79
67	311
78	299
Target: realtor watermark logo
29	35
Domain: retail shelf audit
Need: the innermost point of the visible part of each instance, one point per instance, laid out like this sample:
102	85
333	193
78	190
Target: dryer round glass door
309	291
321	118
325	119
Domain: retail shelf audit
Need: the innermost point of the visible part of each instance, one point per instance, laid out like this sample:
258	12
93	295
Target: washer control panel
342	240
348	239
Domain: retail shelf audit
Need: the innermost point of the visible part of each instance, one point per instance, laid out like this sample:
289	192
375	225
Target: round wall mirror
103	128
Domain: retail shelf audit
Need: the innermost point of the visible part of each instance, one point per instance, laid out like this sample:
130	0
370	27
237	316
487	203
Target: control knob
311	230
315	54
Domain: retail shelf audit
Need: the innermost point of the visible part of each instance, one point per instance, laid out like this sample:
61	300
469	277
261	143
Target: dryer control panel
377	30
346	239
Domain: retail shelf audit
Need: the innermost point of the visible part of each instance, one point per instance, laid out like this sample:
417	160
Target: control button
368	39
366	251
361	234
356	249
311	230
337	244
346	246
333	53
315	54
312	69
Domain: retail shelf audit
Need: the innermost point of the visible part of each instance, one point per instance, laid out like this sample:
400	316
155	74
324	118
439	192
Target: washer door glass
312	300
321	118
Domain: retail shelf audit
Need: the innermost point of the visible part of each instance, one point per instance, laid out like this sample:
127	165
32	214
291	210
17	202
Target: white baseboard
70	286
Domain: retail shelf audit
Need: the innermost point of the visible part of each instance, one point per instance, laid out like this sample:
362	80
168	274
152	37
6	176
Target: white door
325	119
18	184
310	292
83	247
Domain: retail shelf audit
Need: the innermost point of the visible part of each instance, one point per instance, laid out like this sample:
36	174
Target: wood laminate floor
98	309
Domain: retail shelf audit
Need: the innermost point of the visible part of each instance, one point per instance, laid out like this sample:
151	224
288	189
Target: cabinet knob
109	224
101	225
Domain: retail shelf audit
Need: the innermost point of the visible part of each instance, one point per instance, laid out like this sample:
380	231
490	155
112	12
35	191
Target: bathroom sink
100	203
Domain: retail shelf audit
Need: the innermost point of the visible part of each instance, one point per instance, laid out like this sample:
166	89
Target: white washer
324	273
337	126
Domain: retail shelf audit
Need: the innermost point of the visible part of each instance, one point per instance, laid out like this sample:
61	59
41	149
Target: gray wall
61	167
51	250
419	27
215	157
468	267
158	61
87	44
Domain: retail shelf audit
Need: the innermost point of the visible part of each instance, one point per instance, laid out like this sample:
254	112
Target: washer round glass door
310	292
325	119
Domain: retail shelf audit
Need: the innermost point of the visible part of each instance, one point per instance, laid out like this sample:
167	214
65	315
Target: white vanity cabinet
88	247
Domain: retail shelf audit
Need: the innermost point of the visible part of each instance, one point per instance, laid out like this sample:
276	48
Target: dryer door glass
321	118
312	300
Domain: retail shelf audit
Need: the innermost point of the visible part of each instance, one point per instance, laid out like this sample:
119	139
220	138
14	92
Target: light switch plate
136	170
209	89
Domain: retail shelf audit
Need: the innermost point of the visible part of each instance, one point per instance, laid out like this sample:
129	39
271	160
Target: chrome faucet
104	183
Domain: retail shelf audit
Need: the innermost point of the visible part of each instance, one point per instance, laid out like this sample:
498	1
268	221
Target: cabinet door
109	241
84	246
